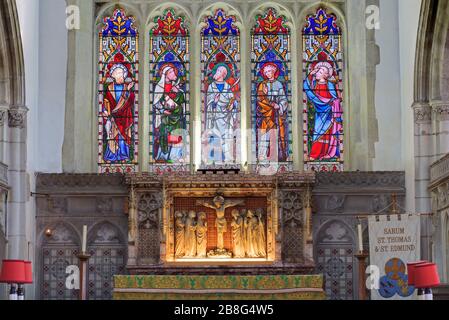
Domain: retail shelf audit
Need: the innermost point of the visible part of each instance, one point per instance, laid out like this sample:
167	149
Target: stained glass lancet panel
323	98
170	94
118	112
220	76
271	92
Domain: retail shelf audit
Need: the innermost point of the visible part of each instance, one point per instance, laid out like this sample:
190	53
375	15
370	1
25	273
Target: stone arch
180	11
230	10
12	70
334	256
106	244
56	253
63	232
13	133
295	68
105	233
430	54
102	13
322	235
342	23
431	111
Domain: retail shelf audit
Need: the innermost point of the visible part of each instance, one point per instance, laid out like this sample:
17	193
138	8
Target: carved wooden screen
149	206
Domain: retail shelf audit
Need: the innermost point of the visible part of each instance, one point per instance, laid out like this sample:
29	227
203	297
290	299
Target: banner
394	241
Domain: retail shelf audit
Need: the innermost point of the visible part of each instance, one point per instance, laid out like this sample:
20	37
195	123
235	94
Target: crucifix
219	204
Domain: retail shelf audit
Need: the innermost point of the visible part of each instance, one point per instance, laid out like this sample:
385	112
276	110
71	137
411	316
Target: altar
278	287
222	223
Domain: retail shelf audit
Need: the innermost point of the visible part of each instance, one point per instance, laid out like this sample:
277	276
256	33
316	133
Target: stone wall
338	200
64	204
67	202
439	189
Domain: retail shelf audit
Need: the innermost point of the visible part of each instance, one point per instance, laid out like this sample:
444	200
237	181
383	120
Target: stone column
18	180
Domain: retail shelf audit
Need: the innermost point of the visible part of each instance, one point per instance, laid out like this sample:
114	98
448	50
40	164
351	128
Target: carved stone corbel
17	117
3	115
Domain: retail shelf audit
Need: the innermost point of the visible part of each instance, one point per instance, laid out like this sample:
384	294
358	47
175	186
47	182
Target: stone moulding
371	180
439	171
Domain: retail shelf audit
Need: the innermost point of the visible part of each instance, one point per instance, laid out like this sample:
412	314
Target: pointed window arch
220	87
323	92
118	110
271	90
170	93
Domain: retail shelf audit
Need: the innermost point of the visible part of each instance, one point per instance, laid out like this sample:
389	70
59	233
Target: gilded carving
201	235
219	204
238	235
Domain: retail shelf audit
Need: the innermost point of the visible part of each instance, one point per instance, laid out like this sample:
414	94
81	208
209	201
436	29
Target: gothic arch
12	79
159	11
321	235
106	244
107	10
431	112
56	253
63	232
342	23
280	9
230	11
105	232
295	68
334	255
430	54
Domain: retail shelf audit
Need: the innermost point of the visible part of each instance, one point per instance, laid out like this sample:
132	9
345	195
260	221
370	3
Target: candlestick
359	229
83	260
361	257
84	239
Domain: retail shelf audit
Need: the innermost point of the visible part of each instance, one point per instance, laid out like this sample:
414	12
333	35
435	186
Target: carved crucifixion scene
220	228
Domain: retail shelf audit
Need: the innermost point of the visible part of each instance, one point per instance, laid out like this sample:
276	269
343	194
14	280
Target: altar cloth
213	287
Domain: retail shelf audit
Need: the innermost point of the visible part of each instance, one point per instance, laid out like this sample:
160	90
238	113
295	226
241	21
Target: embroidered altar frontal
263	287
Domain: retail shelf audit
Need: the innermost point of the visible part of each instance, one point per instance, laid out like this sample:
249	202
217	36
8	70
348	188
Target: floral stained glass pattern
118	111
323	98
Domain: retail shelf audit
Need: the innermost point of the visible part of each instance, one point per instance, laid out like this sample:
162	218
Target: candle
84	239
359	229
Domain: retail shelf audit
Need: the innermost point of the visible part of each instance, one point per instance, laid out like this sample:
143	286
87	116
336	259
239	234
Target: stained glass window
220	76
271	91
118	89
170	95
323	98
